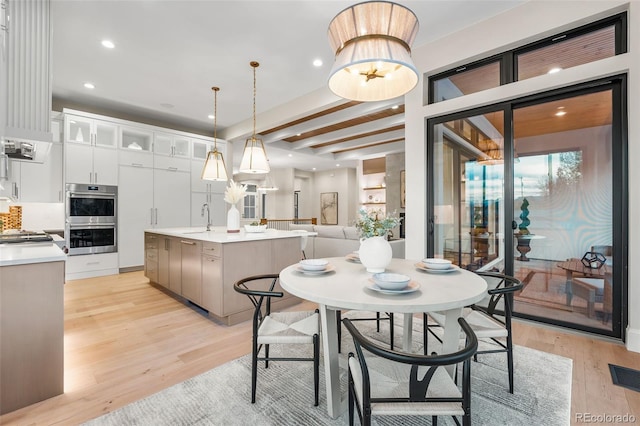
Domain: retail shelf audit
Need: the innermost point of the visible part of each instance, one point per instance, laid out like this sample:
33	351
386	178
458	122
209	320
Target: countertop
220	234
26	253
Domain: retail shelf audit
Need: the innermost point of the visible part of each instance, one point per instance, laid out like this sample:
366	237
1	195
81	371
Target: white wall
521	25
344	182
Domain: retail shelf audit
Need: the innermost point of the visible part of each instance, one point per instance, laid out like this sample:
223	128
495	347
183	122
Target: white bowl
436	263
255	228
391	281
314	264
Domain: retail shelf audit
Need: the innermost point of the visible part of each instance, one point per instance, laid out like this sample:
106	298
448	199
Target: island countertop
220	234
27	253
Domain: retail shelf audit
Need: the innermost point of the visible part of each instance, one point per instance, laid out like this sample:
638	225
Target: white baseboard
633	339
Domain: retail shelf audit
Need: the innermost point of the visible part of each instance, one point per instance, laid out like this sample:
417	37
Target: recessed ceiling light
89	85
317	62
108	44
211	116
313	168
338	165
554	70
290	155
395	107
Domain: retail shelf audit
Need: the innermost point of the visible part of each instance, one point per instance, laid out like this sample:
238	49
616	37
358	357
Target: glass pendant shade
214	167
254	157
372	41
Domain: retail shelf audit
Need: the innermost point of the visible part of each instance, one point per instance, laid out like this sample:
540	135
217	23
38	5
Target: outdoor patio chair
490	318
383	382
294	327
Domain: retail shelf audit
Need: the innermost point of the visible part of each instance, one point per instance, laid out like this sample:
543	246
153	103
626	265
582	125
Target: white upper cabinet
171	145
90	131
171	152
136	147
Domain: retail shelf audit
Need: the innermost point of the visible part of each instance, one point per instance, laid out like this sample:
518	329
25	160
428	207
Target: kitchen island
202	266
31	323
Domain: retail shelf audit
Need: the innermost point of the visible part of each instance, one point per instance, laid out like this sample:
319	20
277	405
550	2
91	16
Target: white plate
330	268
413	286
425	268
351	257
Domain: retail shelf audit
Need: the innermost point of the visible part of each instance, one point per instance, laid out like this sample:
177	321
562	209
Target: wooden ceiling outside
564	54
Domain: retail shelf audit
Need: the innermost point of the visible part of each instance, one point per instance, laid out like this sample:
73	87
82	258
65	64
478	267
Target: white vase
375	254
233	219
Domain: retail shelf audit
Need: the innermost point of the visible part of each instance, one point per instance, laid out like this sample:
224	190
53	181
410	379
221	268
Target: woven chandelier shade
372	41
214	167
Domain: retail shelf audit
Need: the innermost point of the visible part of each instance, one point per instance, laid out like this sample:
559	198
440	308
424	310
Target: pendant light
267	184
214	167
372	43
254	157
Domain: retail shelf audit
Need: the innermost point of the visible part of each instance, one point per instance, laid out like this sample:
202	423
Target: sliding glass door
468	190
537	189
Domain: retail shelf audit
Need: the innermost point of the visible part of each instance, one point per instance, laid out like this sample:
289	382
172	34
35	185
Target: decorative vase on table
232	195
233	219
375	254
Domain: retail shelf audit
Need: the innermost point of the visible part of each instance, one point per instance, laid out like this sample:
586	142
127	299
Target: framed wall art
329	208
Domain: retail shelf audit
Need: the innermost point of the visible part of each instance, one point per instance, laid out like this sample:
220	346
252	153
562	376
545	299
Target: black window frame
508	59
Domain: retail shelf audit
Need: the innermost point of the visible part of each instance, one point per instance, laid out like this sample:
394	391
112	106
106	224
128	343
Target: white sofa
336	240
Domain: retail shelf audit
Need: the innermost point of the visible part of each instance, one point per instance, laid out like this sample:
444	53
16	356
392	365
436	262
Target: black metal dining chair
490	318
383	382
293	327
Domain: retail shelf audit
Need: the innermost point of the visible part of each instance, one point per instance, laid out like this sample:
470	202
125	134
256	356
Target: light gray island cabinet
203	266
31	324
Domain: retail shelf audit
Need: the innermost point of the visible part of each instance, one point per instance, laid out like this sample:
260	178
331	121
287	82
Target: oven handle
92	225
91	195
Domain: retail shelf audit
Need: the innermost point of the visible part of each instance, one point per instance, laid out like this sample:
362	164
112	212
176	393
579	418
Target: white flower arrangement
375	223
234	192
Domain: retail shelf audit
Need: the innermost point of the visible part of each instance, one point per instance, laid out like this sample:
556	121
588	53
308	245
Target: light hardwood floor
125	339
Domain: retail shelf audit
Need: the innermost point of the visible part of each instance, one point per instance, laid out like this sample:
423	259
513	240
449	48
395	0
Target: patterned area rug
285	392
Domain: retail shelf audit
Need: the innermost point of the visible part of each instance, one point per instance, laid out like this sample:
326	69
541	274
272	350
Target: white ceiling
169	53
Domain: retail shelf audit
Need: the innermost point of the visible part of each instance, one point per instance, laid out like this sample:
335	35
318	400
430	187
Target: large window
589	43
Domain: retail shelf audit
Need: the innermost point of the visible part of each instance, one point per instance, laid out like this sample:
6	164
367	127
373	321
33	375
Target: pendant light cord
255	65
215	118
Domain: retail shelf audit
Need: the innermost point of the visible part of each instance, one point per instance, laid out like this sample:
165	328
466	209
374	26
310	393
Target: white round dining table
348	285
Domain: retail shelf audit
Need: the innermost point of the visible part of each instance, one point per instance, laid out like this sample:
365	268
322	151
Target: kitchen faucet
206	206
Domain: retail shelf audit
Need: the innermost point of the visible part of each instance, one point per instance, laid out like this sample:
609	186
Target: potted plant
374	228
523	235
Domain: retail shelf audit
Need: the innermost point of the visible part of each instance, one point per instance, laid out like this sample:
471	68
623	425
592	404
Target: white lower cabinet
148	198
91	265
135	213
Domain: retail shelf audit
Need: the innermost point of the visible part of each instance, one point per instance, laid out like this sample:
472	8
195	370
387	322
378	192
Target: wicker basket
13	219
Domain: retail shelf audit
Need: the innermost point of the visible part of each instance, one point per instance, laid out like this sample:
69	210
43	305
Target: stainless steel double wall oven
91	219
